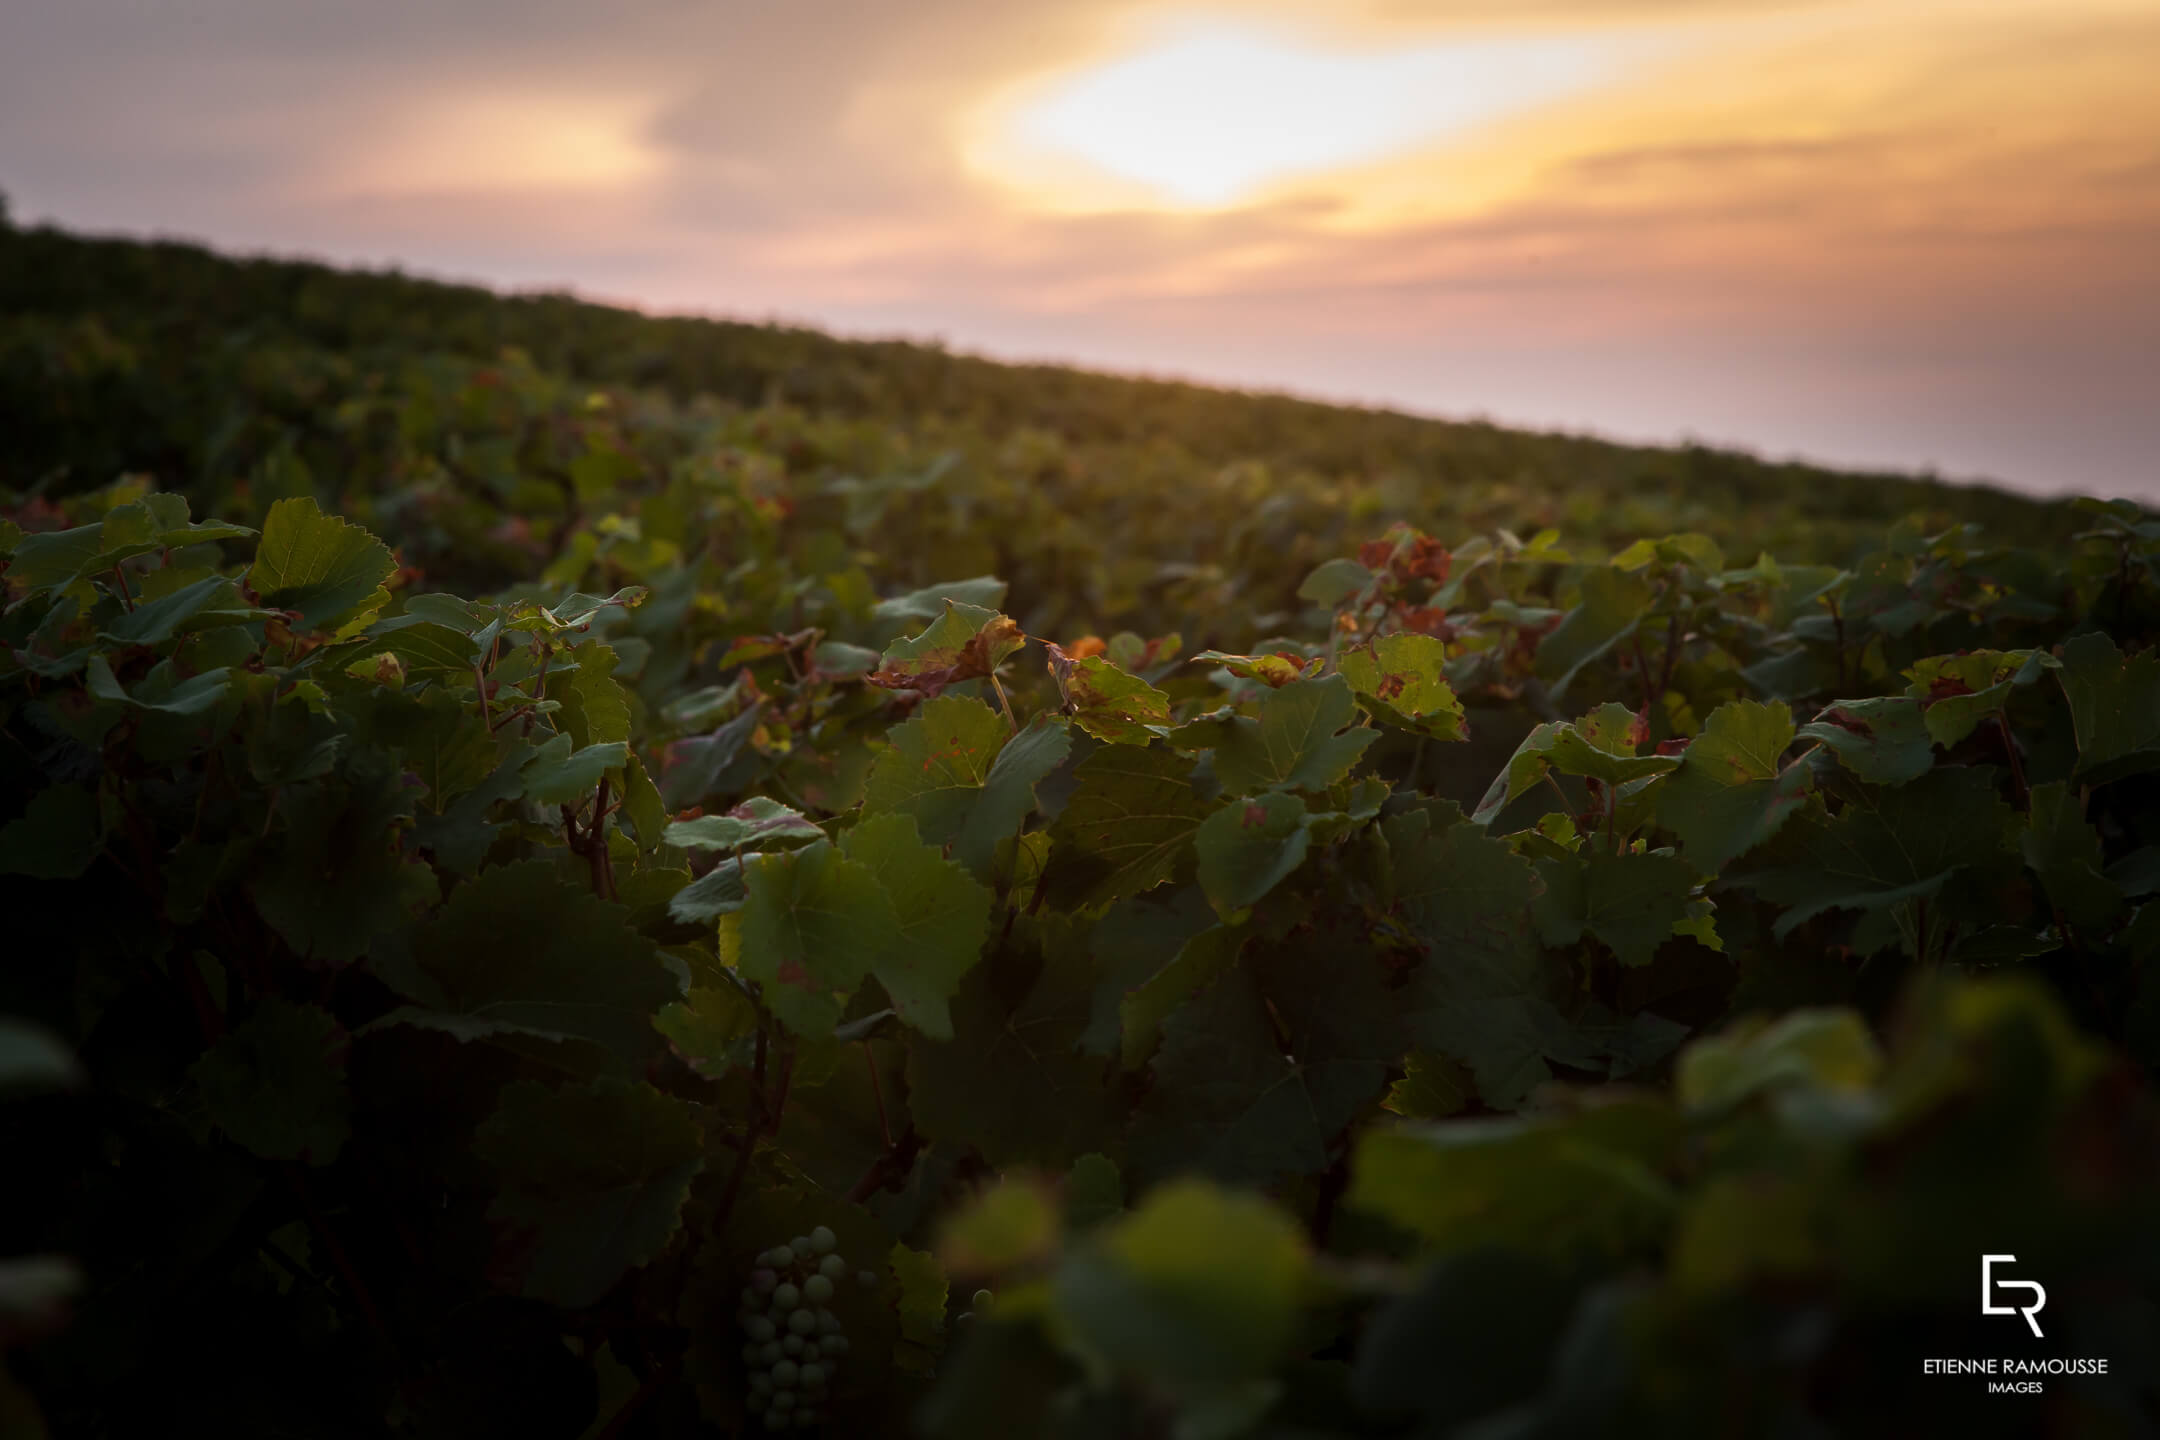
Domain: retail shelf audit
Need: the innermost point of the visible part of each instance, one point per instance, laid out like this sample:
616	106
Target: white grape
801	1246
823	1240
818	1289
827	1323
786	1297
832	1267
749	1297
813	1375
782	1256
792	1344
982	1300
771	1353
802	1322
761	1384
761	1329
762	1281
784	1373
783	1400
867	1279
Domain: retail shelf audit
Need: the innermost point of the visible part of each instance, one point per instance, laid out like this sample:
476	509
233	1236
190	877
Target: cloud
1891	230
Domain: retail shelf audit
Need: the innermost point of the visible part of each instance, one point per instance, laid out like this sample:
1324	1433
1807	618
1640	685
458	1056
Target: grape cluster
794	1341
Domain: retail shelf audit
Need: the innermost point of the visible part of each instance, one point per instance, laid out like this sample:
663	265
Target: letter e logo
1989	1285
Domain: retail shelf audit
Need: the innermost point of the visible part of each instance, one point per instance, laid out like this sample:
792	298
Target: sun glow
483	142
1213	114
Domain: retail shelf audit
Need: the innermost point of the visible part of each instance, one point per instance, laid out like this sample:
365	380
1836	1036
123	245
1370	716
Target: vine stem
320	1225
758	1121
877	1093
1333	1182
892	1163
2017	765
547	653
660	1375
1002	700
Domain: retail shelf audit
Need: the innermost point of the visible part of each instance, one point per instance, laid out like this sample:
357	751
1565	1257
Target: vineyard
572	874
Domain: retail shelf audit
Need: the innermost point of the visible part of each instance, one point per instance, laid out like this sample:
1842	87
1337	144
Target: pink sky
1913	233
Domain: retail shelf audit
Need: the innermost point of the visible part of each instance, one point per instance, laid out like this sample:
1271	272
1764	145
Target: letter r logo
1989	1285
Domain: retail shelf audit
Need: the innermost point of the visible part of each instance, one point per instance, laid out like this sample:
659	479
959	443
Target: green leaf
1195	966
1730	794
936	765
814	922
942	917
1249	847
1012	1224
708	764
1830	1050
1433	1087
153	622
1275	670
557	776
1631	902
56	838
1334	582
642	806
55	559
1105	701
337	881
460	835
1094	1193
1131	817
753	825
1400	679
1579	1185
1014	1085
1198	1288
924	1293
32	1058
1882	849
317	564
1484	994
519	951
1884	741
191	698
711	1029
1958	692
965	642
1612	603
2114	706
1244	1100
928	603
276	1082
1299	742
1600	746
1008	792
2065	852
594	1180
578	607
595	709
713	894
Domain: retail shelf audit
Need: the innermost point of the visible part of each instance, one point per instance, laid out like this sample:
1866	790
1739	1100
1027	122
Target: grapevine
556	893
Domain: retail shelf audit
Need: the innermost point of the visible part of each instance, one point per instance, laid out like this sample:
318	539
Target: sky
1920	234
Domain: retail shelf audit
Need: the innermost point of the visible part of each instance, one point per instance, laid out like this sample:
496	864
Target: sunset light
1213	113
